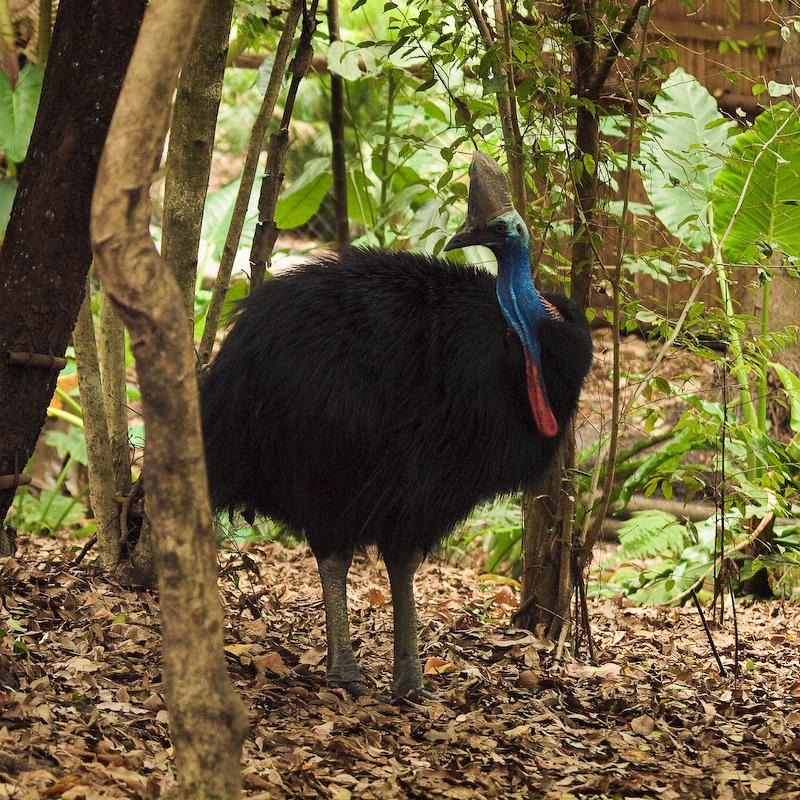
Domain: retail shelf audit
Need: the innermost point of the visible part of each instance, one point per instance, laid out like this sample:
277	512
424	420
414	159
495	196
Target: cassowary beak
469	237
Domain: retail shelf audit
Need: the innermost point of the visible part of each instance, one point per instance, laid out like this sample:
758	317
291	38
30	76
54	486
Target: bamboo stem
763	388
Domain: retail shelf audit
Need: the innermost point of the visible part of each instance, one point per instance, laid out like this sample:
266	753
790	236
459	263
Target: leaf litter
82	713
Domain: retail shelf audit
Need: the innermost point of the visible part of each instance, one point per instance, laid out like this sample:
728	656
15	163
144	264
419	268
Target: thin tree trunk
43	30
547	528
554	558
247	179
191	143
207	722
512	138
115	393
46	255
189	155
338	163
98	447
266	230
549	563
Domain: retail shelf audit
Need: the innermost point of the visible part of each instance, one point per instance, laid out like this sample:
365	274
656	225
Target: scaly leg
342	668
407	668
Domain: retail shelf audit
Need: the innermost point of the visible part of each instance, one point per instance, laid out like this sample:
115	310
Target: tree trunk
550	564
207	722
98	445
338	163
266	231
546	544
46	253
191	143
249	169
115	393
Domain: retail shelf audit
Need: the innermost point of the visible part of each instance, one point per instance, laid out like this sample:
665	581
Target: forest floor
82	710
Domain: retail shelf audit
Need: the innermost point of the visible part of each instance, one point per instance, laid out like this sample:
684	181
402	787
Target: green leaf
361	206
217	216
651	533
69	442
769	214
18	110
300	201
429	226
8	190
344	60
791	385
681	156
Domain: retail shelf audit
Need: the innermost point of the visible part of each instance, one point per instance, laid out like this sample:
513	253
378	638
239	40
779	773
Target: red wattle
542	413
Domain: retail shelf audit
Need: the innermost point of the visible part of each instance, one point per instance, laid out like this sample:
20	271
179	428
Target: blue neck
520	302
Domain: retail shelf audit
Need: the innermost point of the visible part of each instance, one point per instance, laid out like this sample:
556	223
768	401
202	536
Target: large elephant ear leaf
681	154
18	107
761	179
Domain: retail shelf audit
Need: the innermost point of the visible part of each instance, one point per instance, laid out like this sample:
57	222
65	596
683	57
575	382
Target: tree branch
614	48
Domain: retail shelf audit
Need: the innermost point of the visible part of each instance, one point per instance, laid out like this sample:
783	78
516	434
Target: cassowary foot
355	688
408	680
416	693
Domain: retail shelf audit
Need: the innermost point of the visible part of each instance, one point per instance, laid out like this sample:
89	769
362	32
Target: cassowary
375	398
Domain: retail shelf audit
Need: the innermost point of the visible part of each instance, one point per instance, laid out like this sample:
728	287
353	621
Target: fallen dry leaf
82	712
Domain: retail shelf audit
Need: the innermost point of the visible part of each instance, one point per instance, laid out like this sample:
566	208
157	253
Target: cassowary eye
500	227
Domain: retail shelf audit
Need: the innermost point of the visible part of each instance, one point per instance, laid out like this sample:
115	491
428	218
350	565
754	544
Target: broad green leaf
69	442
18	110
769	216
300	201
344	60
8	190
681	155
428	228
218	212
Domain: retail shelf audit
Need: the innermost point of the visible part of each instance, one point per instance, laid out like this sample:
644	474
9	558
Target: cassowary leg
342	669
407	669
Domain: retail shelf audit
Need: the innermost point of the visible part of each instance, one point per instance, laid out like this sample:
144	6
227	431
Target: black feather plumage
374	397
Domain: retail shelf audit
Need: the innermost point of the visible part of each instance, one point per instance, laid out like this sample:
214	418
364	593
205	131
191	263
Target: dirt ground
82	712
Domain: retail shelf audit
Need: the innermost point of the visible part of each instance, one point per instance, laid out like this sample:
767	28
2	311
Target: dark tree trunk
46	253
547	536
338	162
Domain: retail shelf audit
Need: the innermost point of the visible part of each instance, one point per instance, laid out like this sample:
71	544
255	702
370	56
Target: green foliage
760	184
48	512
497	528
651	533
8	191
681	154
18	106
303	198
